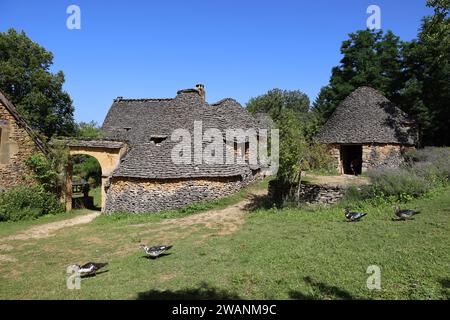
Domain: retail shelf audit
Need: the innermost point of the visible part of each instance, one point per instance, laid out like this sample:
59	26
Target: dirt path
217	222
45	230
343	180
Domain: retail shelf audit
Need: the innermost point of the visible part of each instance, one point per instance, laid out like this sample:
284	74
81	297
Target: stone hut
146	178
17	142
368	130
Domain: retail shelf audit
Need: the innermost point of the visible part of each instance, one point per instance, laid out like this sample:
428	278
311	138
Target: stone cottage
17	142
145	178
368	130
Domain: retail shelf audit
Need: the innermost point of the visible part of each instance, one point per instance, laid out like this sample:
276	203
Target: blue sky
238	49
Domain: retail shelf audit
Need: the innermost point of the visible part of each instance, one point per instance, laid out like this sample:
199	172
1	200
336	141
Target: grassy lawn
279	254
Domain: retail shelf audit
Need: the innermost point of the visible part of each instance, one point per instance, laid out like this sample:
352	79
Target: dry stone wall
15	147
147	195
382	156
373	156
309	193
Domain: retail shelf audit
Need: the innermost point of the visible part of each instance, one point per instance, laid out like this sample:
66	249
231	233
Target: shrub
43	171
424	170
320	159
27	202
396	182
430	162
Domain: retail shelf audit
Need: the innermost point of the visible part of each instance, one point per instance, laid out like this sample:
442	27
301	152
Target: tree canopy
89	130
275	101
426	89
26	80
370	58
290	112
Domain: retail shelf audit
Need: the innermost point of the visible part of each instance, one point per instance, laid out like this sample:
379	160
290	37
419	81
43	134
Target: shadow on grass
324	290
445	283
203	292
160	256
93	274
258	202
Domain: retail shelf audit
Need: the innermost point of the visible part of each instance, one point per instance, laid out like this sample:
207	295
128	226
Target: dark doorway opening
351	157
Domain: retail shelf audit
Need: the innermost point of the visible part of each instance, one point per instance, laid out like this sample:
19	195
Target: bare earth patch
6	247
343	180
6	258
46	230
224	221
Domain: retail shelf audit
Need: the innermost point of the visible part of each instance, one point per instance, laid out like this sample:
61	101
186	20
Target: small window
157	140
127	129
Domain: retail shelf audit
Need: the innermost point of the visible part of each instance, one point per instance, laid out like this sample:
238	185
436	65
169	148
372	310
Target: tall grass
423	170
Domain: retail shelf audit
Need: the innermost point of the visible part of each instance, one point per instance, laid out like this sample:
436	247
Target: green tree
87	167
275	101
370	58
89	130
26	80
426	91
293	148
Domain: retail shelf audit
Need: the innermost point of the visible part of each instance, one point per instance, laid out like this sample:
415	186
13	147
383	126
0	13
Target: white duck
155	251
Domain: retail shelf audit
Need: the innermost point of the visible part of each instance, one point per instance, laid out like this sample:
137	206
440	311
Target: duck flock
402	214
153	252
90	269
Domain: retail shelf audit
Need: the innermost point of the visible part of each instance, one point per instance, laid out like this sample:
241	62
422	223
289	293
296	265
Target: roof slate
137	120
366	116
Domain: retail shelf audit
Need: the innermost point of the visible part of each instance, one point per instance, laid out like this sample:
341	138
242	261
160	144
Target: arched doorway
107	153
86	182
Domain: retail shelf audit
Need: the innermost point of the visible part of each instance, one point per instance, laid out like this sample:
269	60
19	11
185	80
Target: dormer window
157	140
127	129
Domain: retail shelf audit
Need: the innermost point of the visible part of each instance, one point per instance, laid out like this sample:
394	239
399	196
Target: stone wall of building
147	195
16	146
335	152
382	156
373	156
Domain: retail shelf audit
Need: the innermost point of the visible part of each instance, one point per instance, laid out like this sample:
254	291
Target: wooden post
68	187
103	193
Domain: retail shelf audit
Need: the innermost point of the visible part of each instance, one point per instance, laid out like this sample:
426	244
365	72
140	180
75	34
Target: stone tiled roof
23	123
366	116
96	143
138	121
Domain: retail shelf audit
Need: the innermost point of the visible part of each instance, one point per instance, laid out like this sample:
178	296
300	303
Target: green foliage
320	159
276	101
48	170
87	167
43	171
399	183
426	91
293	156
26	80
27	202
89	130
290	112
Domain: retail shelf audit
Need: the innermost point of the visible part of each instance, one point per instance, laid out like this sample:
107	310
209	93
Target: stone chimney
201	90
